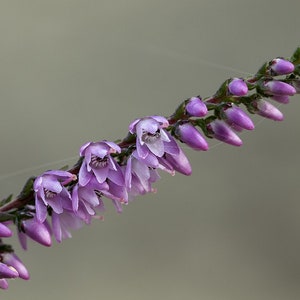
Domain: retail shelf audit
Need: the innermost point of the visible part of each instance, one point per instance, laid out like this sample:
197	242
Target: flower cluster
57	201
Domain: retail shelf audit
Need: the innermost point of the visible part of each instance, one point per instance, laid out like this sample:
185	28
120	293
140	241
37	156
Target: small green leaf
28	188
6	200
295	59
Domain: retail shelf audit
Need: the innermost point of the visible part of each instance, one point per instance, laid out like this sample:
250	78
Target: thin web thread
162	52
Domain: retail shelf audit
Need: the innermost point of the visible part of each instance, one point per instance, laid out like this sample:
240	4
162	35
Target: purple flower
222	131
37	231
3	284
63	223
281	66
196	107
284	99
13	260
98	163
267	110
276	87
175	162
139	177
151	137
189	135
7	271
238	87
5	231
50	191
237	118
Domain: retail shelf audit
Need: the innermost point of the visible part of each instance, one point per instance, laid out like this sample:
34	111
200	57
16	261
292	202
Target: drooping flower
85	199
50	192
63	223
139	177
98	163
151	136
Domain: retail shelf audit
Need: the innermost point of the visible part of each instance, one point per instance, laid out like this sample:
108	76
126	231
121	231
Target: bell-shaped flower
139	177
50	191
151	136
98	163
63	223
85	199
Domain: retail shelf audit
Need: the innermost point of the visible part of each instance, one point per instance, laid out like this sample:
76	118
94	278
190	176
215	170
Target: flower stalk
57	201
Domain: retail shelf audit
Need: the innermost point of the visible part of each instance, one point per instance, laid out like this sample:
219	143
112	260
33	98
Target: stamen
149	137
49	194
98	162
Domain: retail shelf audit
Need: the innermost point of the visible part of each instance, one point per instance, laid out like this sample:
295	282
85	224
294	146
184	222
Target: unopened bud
276	87
196	107
189	135
236	116
222	132
281	66
238	87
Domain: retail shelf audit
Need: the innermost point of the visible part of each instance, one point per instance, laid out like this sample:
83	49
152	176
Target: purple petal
101	174
157	148
41	209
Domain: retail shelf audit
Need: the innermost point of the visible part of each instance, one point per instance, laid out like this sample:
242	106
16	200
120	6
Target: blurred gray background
76	71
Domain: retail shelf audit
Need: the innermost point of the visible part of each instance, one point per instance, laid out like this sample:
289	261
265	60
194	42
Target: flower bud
222	132
37	231
196	107
236	116
5	231
267	110
238	87
179	162
189	135
13	260
276	87
3	284
284	99
281	66
7	272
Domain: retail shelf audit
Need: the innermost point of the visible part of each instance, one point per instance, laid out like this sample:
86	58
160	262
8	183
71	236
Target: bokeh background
75	71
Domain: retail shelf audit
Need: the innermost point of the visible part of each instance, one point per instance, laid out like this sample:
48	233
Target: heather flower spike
57	202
